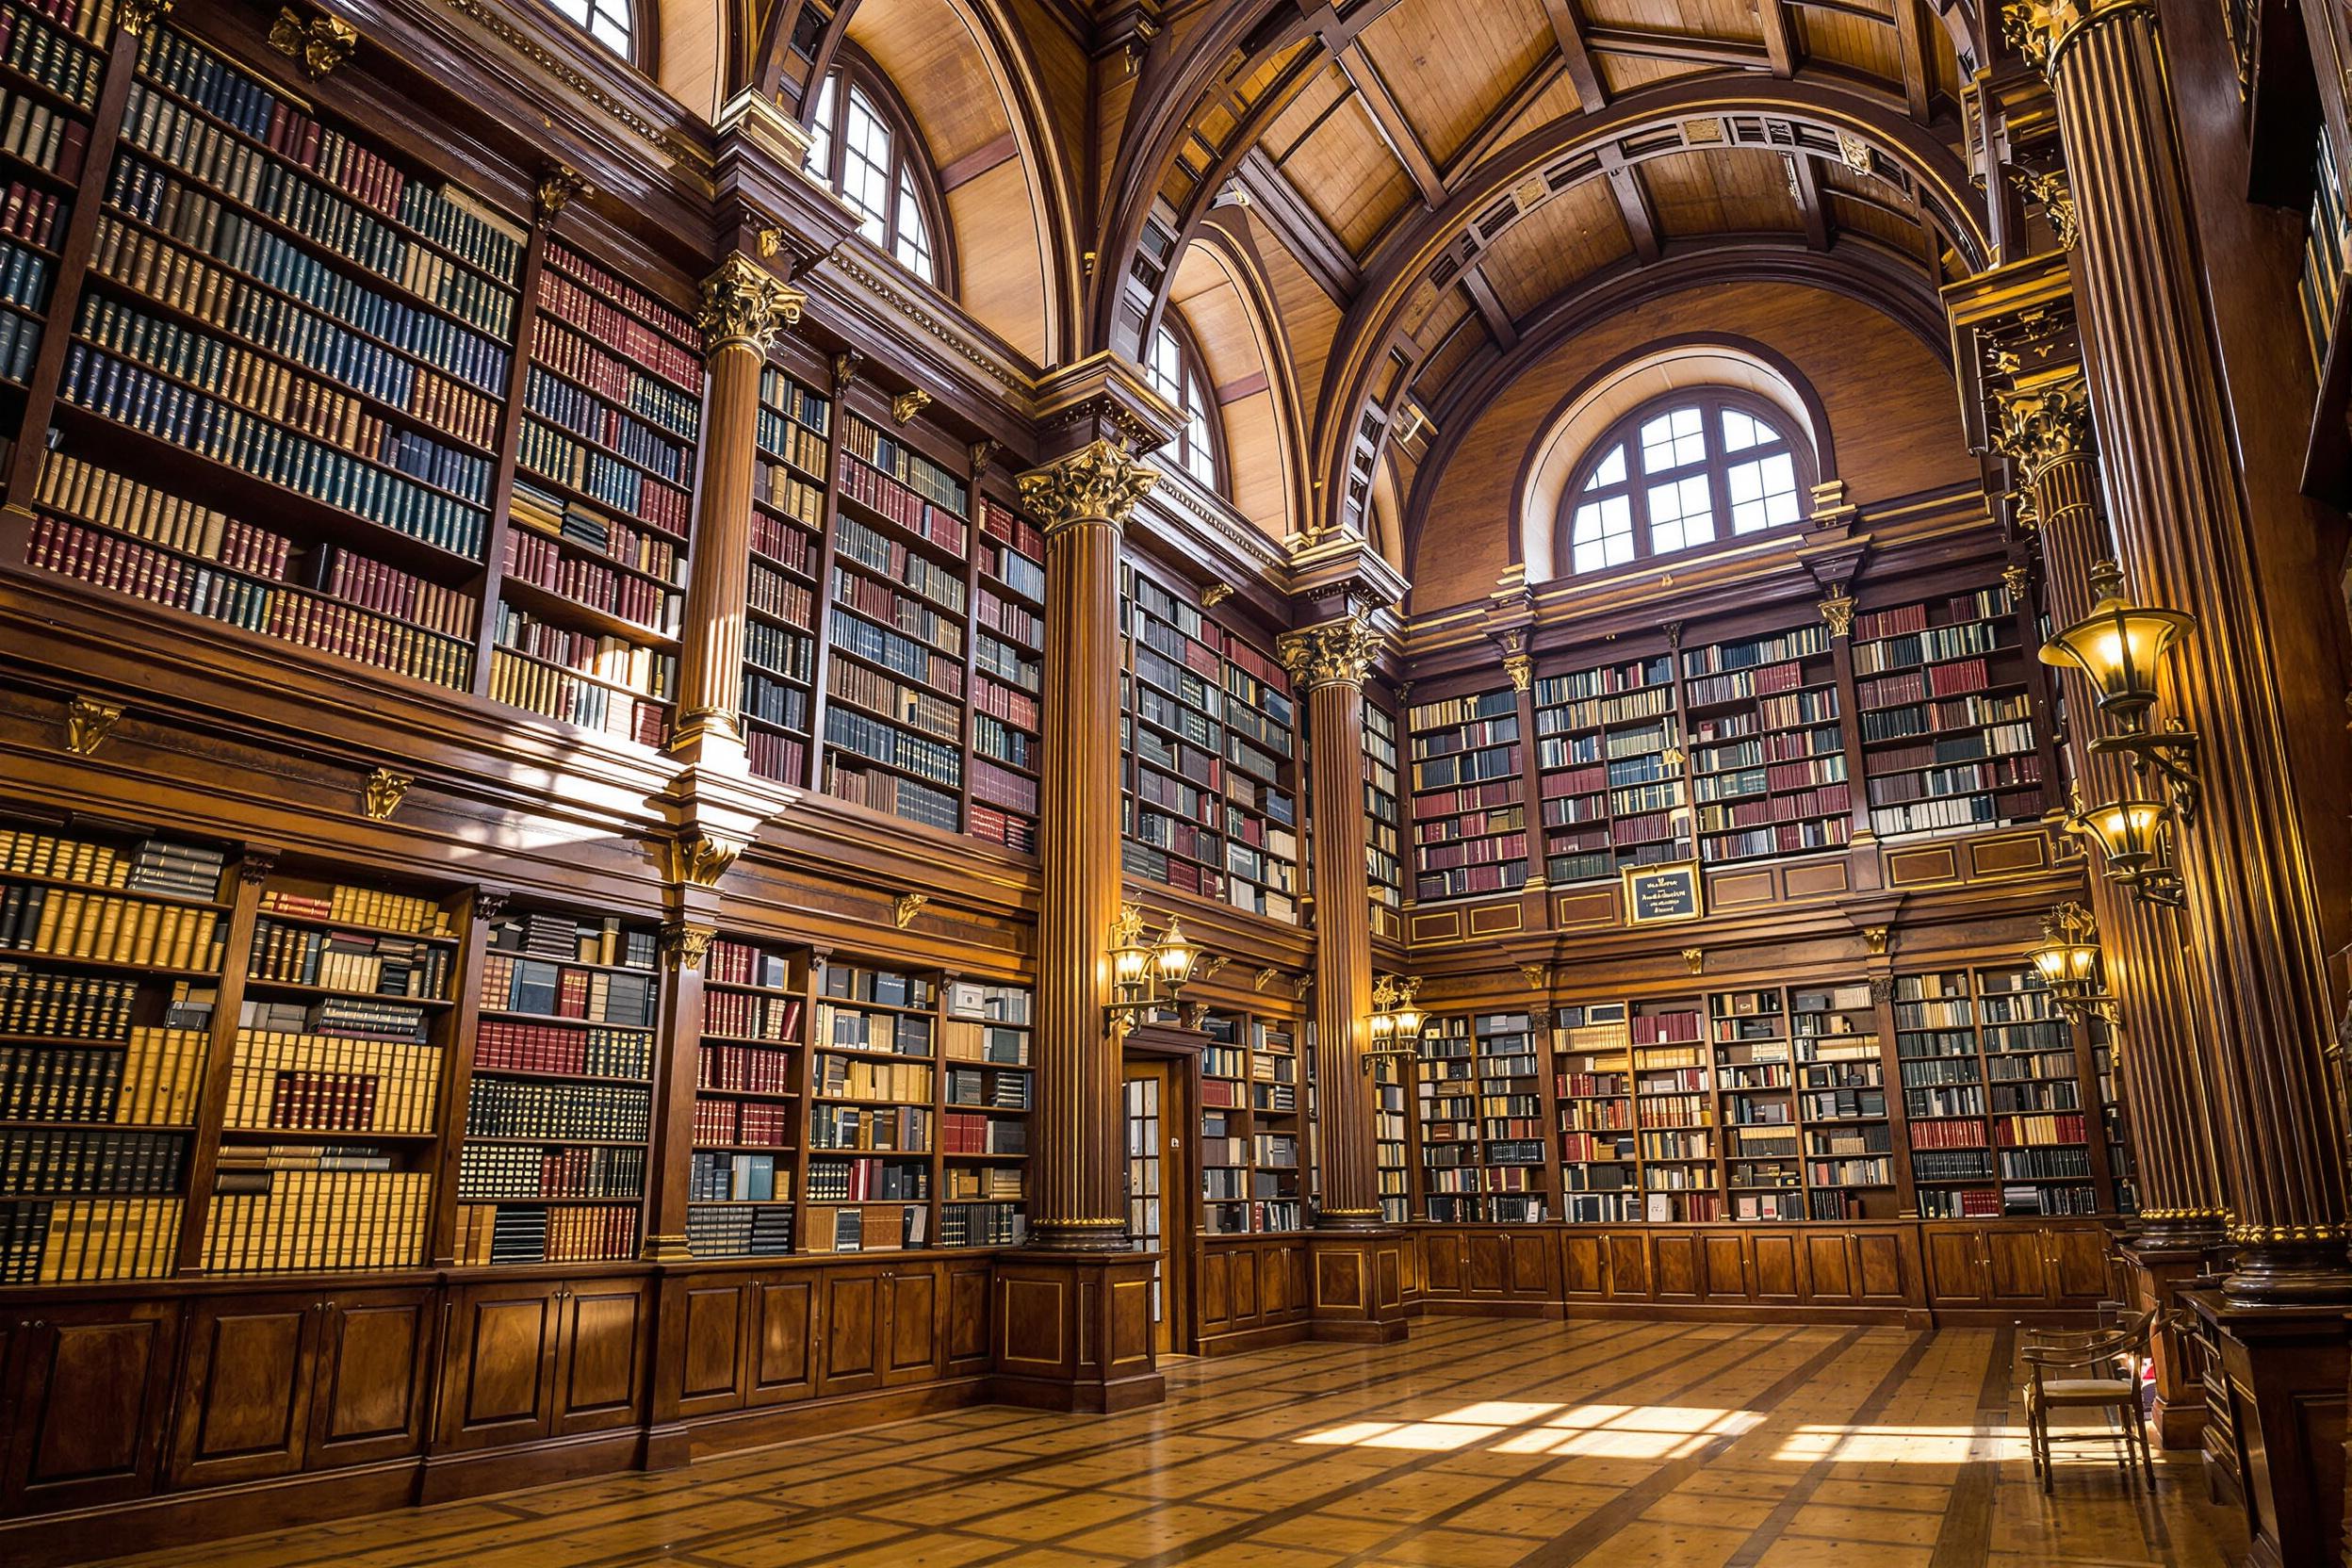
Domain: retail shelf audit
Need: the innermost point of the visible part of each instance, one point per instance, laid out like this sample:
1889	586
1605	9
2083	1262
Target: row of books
67	922
150	1081
319	1220
616	661
74	1163
741	1121
348	960
555	1232
88	1239
502	1171
502	1108
68	1006
304	1081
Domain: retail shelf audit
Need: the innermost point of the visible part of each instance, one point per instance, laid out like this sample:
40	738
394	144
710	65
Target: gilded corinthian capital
1100	482
2040	30
743	303
2045	424
1335	653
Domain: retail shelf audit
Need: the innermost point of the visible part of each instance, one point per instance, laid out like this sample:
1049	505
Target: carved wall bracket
910	403
559	183
1333	653
320	44
88	722
382	793
685	944
903	908
1694	958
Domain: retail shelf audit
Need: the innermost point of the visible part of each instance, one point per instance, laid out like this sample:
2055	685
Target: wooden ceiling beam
1299	226
1805	183
1647	43
1489	304
1633	205
1568	26
1388	116
1911	41
1780	42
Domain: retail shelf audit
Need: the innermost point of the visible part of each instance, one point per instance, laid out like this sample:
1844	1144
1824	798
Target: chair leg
2139	1425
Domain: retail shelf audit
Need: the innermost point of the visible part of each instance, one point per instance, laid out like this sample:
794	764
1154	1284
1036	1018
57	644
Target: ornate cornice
1335	653
523	43
2044	423
1100	482
744	304
904	306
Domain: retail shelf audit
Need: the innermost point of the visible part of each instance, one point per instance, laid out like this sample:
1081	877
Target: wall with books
1257	1113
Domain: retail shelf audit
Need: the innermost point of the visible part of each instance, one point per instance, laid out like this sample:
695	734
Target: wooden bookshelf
1609	795
1483	1121
872	1110
1677	1111
1842	1103
1392	1139
1768	751
1224	1095
1383	817
1947	715
1008	678
988	1090
112	946
1469	813
560	1099
750	1094
1593	1091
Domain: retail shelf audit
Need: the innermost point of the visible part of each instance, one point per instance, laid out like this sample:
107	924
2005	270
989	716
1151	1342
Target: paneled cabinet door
86	1392
1443	1267
498	1375
1583	1265
2079	1273
783	1360
852	1313
372	1370
1881	1269
1832	1271
2017	1268
247	1379
1775	1267
1724	1263
600	1355
916	1309
711	1349
1956	1266
967	1301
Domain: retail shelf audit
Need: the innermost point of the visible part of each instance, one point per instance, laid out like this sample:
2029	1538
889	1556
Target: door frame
1173	1054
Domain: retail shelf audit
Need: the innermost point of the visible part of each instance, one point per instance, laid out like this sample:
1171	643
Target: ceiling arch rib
1866	132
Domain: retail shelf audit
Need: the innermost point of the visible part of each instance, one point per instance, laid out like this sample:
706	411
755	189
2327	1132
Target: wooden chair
2110	1365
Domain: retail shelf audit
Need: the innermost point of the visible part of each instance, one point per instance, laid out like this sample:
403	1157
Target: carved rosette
2044	425
745	305
1336	653
1100	482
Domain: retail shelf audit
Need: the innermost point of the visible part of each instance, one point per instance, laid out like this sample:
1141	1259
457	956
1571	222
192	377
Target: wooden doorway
1161	1184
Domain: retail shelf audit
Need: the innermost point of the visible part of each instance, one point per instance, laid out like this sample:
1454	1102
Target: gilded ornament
1215	595
845	368
2016	576
2045	424
683	944
744	304
136	16
2040	30
1838	610
982	454
910	403
87	722
1100	482
1264	978
384	792
2049	191
490	904
1521	668
1335	653
320	44
1694	958
1854	153
903	906
1875	938
558	184
700	860
1537	976
1214	962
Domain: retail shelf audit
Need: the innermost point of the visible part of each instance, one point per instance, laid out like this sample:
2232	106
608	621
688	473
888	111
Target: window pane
1763	493
1603	534
866	170
1671	441
1740	433
1681	515
913	246
1612	472
821	134
1166	368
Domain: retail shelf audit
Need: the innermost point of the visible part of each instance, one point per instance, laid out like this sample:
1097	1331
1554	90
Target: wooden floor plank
1521	1444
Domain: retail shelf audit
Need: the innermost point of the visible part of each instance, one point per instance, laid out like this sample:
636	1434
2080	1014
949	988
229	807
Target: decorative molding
87	723
1694	958
845	368
1854	153
1100	482
2017	577
1211	964
2049	191
1333	653
685	944
910	403
983	453
907	307
1300	985
745	305
1264	978
382	793
1881	990
1875	938
320	44
490	904
1215	595
526	44
1838	610
903	906
559	183
2040	30
1537	976
1521	668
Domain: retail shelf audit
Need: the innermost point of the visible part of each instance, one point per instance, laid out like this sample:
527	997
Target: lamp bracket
2170	753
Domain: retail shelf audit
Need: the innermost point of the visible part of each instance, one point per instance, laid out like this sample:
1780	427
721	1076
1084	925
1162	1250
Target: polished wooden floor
1515	1444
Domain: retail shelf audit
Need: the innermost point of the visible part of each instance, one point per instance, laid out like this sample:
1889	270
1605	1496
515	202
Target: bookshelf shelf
1470	821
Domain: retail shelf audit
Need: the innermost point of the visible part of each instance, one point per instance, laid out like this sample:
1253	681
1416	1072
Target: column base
2289	1274
1356	1292
2156	1275
1073	1332
2283	1380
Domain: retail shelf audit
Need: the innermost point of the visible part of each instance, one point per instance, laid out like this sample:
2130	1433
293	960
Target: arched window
862	144
610	22
1174	370
1681	473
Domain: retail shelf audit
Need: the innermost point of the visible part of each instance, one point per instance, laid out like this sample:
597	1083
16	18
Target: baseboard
1241	1340
1088	1398
735	1431
203	1518
450	1477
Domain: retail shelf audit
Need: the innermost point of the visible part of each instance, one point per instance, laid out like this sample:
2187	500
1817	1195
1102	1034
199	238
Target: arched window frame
634	18
1713	469
913	177
1199	447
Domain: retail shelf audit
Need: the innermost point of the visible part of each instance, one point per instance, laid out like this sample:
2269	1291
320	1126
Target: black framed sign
1659	895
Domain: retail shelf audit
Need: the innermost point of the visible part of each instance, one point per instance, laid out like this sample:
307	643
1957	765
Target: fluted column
744	308
1077	1156
1329	663
2186	542
2161	999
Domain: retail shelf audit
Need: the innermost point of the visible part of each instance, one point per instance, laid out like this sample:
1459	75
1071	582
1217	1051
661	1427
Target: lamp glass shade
1409	1023
2065	966
2126	831
2120	646
1174	956
1382	1027
1129	964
